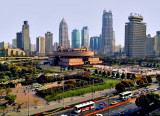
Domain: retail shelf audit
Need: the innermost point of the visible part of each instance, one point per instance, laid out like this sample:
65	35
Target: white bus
125	95
84	106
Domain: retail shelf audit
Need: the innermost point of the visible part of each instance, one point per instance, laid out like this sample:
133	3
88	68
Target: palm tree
3	108
1	92
19	106
8	90
35	101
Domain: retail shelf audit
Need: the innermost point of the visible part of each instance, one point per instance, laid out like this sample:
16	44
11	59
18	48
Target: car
63	115
120	114
152	90
105	103
98	115
101	106
114	102
158	88
135	93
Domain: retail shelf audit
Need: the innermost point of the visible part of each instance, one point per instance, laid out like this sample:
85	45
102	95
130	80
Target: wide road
123	107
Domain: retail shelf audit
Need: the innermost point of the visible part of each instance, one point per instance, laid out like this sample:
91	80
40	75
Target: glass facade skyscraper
107	45
48	42
75	39
95	43
19	40
63	34
84	36
25	37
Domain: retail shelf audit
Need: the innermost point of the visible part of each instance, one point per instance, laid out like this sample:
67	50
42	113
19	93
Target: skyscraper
84	36
150	46
48	42
40	46
75	39
63	34
157	43
135	37
14	43
95	42
19	40
107	46
55	46
25	37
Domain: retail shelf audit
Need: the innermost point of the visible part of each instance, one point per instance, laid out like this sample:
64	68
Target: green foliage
11	98
158	77
149	79
120	87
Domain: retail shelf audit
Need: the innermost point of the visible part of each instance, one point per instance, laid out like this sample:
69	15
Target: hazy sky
45	15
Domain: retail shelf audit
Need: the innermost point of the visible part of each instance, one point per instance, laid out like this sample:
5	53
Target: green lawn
88	89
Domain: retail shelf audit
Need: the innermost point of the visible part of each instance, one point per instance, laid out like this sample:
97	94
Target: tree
149	79
117	75
158	77
125	83
109	73
104	73
88	70
133	77
8	90
140	82
2	91
122	76
35	101
85	69
99	72
11	98
110	85
96	71
144	79
128	76
3	108
120	87
19	106
113	74
142	101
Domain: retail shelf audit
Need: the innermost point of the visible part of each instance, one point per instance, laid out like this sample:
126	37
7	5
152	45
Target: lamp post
63	93
28	88
93	91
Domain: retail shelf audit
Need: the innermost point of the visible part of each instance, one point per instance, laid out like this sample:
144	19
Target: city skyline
40	23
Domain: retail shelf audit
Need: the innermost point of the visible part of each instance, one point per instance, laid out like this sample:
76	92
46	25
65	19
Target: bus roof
84	104
126	92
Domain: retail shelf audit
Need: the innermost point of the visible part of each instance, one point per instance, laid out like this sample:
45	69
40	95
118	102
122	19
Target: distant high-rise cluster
137	43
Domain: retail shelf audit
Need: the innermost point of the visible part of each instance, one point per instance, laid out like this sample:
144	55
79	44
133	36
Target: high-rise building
25	37
75	39
108	42
4	45
150	46
95	43
84	36
48	42
135	37
33	47
63	34
56	44
157	43
40	46
19	40
14	43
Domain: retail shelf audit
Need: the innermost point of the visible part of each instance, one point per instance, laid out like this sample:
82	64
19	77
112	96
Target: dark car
158	88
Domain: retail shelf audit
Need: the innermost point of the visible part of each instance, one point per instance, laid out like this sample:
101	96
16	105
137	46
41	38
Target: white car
63	115
98	115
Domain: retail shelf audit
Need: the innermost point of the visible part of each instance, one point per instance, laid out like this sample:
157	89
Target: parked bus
125	95
84	106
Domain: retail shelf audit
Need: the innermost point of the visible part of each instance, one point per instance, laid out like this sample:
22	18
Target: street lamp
28	88
63	93
93	91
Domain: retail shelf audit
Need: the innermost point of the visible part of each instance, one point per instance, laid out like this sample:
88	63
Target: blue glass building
84	36
75	39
